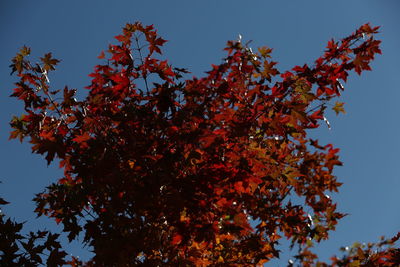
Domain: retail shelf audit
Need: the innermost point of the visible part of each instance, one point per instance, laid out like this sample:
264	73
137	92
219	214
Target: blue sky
368	135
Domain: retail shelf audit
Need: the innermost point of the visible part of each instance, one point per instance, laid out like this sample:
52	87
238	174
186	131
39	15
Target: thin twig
139	48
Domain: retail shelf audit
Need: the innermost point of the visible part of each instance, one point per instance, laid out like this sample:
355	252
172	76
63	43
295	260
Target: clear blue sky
368	135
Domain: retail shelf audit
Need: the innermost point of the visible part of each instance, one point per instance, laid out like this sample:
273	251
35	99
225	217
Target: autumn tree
165	170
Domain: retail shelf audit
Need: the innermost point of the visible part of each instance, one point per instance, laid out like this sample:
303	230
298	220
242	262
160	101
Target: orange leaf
102	55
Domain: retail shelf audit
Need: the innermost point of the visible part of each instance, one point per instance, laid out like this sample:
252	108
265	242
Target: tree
159	170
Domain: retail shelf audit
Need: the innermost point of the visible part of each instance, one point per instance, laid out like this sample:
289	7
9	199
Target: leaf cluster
33	249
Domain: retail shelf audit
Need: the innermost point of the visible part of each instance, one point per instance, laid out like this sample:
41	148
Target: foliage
382	253
159	170
31	250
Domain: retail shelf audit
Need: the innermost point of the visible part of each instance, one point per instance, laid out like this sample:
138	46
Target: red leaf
176	239
47	135
82	138
239	187
317	115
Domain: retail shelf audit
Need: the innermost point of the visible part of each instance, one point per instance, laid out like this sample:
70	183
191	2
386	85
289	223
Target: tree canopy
165	170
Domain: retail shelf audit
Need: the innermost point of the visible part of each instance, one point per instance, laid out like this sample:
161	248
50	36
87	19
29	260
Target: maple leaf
49	62
82	138
269	70
25	51
361	62
338	108
265	51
